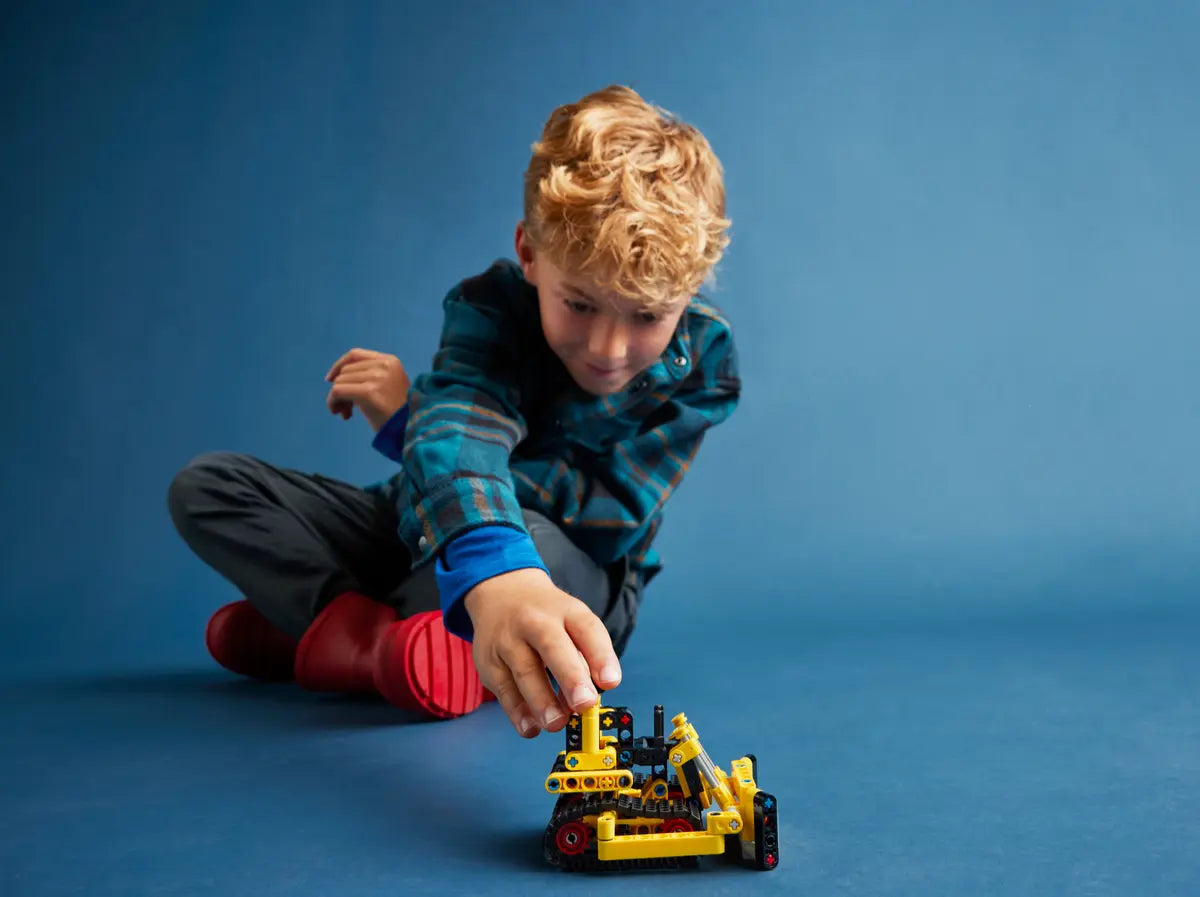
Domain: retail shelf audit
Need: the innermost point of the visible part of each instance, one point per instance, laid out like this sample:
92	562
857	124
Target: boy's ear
525	255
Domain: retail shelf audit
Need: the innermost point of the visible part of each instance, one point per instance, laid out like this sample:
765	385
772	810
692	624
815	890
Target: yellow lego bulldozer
609	817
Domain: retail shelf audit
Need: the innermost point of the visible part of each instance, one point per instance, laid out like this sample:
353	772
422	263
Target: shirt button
680	361
422	543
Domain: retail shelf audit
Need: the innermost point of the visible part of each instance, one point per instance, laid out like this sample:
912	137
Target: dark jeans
291	542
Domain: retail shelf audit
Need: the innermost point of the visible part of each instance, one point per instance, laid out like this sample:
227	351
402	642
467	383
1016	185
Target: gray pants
291	542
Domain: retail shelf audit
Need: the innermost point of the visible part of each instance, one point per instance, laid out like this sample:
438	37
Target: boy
568	396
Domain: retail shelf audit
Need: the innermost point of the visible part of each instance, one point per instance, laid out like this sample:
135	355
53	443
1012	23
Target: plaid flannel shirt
498	424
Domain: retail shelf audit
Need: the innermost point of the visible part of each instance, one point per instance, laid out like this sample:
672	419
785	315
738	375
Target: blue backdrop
939	571
963	277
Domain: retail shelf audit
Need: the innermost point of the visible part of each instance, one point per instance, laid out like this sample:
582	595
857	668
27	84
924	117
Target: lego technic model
609	817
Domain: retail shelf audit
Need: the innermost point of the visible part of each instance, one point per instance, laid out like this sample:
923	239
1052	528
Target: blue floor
1040	757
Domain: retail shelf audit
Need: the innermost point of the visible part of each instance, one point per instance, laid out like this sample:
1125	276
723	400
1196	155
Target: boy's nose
606	342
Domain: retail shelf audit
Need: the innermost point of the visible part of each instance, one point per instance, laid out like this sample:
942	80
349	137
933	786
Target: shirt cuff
389	441
474	556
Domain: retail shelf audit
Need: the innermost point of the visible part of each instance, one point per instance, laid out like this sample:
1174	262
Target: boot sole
427	669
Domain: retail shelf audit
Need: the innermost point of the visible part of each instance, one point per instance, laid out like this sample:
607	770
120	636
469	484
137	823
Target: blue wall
963	276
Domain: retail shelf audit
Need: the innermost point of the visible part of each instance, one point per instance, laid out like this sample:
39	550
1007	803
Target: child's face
604	339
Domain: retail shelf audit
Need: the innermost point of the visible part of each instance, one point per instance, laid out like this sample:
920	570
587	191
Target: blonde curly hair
623	193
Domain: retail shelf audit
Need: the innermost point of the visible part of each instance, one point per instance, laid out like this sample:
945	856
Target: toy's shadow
518	849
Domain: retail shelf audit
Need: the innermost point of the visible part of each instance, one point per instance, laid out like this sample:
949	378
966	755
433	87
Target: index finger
568	667
596	647
345	359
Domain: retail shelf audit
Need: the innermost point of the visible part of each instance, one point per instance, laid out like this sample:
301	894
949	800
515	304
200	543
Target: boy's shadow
258	704
419	763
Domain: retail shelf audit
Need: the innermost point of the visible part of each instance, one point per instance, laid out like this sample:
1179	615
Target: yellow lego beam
664	844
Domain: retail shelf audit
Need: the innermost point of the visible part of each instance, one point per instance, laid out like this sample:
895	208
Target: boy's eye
576	306
647	317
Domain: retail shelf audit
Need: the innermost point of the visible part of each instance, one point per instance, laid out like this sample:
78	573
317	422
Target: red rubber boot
358	646
243	641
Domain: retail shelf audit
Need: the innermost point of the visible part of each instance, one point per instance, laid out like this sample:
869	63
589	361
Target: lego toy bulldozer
608	817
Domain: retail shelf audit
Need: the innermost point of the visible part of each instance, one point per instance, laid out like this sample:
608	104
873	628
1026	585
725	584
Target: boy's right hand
525	625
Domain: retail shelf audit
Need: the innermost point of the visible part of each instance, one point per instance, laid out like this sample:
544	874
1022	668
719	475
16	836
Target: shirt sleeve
463	422
607	500
473	557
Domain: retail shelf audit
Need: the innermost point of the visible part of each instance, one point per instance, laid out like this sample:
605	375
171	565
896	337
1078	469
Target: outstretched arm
464	419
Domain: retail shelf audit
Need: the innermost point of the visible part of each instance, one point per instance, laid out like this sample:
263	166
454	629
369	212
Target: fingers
529	674
361	367
351	388
351	356
342	396
337	365
356	376
596	648
523	689
508	695
569	669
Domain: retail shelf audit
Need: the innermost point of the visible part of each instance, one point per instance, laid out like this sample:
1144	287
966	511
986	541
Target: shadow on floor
282	704
400	787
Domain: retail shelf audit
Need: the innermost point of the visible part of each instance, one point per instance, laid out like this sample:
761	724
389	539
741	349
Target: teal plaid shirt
498	424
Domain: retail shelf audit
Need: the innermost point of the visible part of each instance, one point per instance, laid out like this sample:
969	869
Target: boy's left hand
373	382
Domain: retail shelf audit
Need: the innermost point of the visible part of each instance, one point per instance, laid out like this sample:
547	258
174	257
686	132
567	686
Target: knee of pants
197	477
570	567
